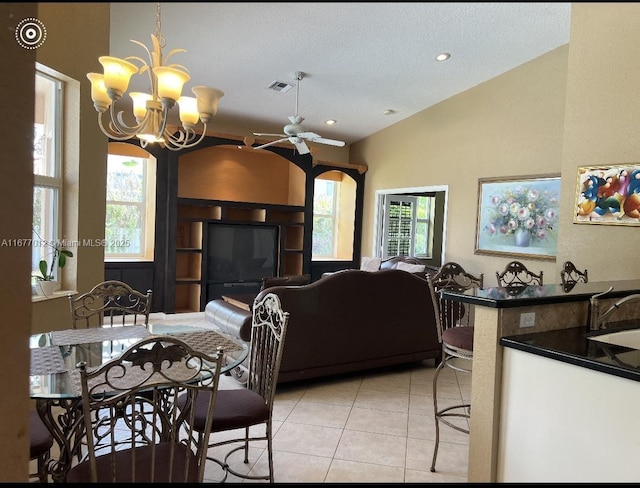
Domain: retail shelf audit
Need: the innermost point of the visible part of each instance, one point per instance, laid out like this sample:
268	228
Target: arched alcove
334	216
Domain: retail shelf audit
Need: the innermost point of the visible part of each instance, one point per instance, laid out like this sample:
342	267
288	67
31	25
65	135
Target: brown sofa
349	321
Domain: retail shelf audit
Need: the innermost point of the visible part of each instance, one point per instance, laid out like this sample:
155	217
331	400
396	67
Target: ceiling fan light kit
294	132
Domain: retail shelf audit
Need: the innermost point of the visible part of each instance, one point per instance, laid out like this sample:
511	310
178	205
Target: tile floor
374	427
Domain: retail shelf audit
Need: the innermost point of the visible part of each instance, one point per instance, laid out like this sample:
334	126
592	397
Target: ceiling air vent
280	86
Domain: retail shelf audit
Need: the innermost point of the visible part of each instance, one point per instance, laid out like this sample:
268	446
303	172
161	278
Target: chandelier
151	111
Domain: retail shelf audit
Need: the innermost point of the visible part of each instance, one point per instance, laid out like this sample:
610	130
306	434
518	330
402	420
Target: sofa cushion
370	264
411	268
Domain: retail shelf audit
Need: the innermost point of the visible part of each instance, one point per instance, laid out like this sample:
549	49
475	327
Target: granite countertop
500	297
573	346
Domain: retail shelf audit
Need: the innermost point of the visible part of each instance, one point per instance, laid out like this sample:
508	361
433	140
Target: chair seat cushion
40	438
143	470
234	409
459	337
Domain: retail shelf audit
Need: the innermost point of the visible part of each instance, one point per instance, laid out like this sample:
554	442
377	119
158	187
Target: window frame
147	204
438	227
54	182
332	216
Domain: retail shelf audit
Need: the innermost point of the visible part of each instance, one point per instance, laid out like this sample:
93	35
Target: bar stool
456	336
517	275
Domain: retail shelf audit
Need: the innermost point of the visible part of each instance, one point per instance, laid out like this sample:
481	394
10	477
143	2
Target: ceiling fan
295	133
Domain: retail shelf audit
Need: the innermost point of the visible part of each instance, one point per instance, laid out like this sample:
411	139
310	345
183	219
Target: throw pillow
370	264
411	268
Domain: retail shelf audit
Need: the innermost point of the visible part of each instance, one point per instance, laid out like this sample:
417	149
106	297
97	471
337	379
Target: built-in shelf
187	297
245	214
193	217
188	234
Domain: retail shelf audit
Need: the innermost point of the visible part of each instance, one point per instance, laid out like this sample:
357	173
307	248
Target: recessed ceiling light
443	57
330	121
389	112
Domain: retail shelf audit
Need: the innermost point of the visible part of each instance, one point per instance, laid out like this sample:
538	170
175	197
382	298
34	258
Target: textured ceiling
360	59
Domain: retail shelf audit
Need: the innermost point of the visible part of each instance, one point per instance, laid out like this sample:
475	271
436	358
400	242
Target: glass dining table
55	379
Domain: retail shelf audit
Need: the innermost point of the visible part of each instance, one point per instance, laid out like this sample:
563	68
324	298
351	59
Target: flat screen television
239	253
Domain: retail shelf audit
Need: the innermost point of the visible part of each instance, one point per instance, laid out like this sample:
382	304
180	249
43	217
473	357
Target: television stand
232	289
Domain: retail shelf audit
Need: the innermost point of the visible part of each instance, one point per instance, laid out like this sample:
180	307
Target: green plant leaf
43	269
62	259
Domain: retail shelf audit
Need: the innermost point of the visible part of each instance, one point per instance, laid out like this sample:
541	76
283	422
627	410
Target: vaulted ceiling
360	59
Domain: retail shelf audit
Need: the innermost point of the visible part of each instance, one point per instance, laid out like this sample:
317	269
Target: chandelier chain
161	40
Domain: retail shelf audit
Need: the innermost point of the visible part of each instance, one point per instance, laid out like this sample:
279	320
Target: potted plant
46	279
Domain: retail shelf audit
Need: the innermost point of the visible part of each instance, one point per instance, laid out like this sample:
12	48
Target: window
412	224
334	201
47	168
130	205
325	226
409	226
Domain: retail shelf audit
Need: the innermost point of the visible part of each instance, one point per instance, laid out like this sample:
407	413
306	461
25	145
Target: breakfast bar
547	321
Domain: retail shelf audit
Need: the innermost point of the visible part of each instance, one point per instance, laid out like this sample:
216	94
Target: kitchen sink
625	338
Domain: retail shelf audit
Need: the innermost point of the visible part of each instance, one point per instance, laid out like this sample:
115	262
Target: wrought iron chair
110	303
570	275
245	408
455	331
134	396
516	275
40	443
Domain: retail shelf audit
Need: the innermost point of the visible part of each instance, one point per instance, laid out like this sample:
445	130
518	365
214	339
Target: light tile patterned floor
368	427
374	427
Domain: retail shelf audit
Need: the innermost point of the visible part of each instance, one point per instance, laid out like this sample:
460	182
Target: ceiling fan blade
308	135
300	145
313	137
271	143
270	135
331	142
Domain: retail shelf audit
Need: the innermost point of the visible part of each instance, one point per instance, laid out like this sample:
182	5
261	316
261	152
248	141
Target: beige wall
242	175
77	34
575	106
511	125
601	127
16	180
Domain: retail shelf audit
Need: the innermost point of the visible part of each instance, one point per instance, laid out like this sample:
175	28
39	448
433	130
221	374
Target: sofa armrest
229	319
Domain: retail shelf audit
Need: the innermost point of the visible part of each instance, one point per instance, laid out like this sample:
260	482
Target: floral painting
608	195
518	216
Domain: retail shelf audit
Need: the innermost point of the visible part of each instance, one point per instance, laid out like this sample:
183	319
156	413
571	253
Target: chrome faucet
597	320
594	310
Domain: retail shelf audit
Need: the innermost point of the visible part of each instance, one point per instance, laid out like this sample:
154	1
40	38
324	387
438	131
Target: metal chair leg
435	411
440	415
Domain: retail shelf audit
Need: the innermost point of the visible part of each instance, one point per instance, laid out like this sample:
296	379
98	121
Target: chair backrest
110	303
571	275
517	275
134	397
452	276
268	332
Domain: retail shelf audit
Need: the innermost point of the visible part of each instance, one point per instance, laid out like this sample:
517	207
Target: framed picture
608	195
518	216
